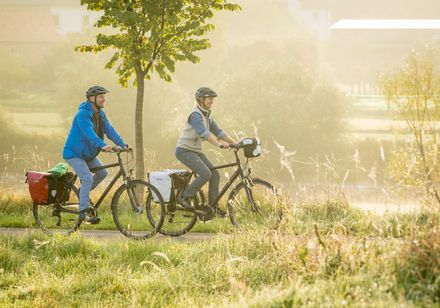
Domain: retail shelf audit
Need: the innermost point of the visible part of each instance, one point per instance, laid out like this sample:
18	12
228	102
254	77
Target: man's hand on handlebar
116	149
107	148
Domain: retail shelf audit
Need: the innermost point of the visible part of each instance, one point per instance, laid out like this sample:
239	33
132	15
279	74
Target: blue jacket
82	141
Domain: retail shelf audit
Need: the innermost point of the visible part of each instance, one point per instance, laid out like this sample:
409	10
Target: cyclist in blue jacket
85	141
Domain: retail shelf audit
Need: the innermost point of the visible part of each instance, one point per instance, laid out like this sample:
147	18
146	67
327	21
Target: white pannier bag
163	181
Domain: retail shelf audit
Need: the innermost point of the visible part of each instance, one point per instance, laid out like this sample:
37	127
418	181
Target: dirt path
116	235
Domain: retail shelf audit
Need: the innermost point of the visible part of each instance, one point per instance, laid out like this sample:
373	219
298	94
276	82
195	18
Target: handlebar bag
251	147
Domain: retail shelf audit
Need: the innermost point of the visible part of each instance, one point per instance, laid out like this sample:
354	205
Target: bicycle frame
121	173
239	172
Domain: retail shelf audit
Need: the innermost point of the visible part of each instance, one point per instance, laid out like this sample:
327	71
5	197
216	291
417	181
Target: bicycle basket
251	147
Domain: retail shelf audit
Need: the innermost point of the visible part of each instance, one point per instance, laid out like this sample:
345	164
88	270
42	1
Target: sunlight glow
386	24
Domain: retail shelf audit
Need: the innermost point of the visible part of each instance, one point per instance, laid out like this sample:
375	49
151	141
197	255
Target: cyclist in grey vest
200	127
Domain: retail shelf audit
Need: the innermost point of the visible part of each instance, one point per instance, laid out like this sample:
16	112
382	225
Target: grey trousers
200	164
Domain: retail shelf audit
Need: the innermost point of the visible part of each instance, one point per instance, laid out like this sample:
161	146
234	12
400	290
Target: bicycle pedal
209	215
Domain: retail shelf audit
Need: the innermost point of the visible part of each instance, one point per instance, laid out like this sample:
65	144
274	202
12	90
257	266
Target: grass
324	253
332	215
259	269
16	212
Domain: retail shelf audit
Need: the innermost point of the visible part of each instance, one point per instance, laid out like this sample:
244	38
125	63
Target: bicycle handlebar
117	149
235	146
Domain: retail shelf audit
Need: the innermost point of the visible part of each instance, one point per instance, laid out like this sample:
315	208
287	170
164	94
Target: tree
151	36
414	90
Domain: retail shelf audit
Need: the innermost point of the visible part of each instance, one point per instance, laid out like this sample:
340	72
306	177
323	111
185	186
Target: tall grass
254	268
324	253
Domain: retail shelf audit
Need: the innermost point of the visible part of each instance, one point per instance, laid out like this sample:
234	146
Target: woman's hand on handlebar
230	146
224	145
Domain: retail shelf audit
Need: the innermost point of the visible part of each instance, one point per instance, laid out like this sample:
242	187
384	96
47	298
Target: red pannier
42	187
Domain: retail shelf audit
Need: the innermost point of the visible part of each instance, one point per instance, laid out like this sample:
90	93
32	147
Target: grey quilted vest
189	139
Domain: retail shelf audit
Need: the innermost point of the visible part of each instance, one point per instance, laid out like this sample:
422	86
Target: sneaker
184	202
87	216
187	205
207	215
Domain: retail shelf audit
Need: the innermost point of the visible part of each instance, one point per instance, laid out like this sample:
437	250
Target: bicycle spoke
58	218
254	205
130	211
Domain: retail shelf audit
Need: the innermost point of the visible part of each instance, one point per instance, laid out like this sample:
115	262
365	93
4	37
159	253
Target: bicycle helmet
95	91
205	92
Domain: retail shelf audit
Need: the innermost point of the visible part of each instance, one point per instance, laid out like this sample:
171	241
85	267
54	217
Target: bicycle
252	202
127	208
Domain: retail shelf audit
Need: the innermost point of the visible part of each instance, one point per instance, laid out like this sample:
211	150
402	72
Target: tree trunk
139	136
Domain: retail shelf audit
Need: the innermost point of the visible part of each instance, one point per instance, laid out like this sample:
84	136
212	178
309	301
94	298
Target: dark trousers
200	164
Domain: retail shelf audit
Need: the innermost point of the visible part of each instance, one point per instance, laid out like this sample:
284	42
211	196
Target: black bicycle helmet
95	91
205	92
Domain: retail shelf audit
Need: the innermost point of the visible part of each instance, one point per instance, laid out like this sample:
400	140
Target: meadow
324	253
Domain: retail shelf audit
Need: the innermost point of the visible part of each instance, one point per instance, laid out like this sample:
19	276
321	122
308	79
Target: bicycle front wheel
58	217
254	204
130	211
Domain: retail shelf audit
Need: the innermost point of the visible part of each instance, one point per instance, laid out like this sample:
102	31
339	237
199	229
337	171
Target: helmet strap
201	102
95	103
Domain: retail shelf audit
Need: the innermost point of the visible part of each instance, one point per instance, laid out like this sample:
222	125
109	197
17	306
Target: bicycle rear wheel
131	212
254	205
58	217
177	220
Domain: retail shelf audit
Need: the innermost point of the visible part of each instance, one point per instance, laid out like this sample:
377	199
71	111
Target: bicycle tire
245	215
170	221
134	224
58	217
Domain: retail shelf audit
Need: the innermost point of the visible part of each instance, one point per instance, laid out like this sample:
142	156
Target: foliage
151	36
415	90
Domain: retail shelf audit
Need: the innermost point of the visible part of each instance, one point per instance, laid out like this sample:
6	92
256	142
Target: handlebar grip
235	146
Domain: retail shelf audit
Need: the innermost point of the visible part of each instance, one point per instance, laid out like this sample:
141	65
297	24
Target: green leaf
110	64
153	31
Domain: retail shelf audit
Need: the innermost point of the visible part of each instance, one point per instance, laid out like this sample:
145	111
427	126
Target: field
325	253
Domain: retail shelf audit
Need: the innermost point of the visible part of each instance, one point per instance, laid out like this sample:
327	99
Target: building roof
389	9
27	25
38	3
387	24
